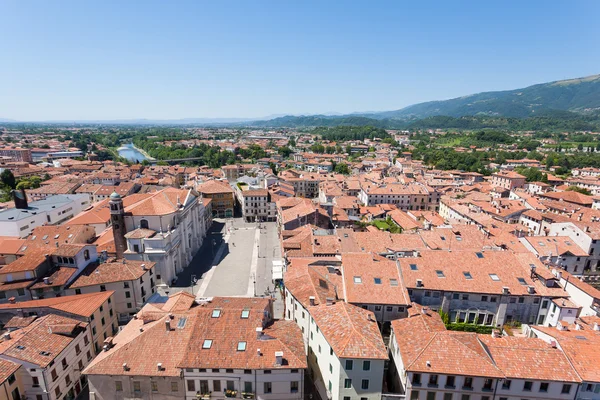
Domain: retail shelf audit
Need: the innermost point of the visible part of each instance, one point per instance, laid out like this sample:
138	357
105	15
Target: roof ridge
435	334
353	326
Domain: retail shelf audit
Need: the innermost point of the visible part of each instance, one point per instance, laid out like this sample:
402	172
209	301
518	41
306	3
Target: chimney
419	282
258	352
279	357
530	289
596	327
496	333
428	363
125	367
168	324
577	326
259	333
505	290
553	344
47	280
12	300
311	300
7	336
330	301
159	366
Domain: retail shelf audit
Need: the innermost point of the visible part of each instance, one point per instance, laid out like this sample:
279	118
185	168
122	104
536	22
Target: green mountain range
577	95
572	104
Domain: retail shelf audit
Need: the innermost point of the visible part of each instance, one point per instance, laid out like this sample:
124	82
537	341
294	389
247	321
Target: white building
166	228
53	351
53	210
133	282
432	363
222	347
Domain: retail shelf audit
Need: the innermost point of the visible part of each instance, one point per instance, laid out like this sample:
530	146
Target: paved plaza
235	260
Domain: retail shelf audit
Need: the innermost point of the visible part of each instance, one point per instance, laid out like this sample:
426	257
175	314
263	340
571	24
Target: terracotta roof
7	368
182	345
117	271
83	304
140	233
19	322
475	272
159	203
214	187
529	358
372	279
43	340
10	245
351	331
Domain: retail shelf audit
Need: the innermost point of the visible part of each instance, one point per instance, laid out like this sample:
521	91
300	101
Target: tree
292	142
579	190
23	185
580	147
342	168
273	168
284	151
8	179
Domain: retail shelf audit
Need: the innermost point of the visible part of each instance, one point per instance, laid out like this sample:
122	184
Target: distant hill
577	95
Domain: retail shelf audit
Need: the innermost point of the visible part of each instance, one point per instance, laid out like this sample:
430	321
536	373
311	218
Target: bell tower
117	217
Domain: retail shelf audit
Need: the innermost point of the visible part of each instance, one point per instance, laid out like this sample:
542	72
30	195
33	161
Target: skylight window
20	347
181	322
442	237
44	353
357	279
216	314
541	244
413	267
467	275
33	237
522	281
393	282
56	237
377	281
440	274
245	313
207	344
241	346
323	284
494	277
479	254
44	237
458	238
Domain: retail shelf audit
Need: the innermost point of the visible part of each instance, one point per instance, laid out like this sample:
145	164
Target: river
132	154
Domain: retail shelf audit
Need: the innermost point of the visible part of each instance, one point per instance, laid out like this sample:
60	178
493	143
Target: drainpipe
495	389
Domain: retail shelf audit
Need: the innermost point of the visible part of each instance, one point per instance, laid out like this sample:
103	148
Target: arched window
144	224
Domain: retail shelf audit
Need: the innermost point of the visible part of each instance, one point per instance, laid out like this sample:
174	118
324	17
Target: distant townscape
346	262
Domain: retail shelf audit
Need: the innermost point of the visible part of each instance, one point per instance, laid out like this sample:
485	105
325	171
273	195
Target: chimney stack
596	327
259	333
311	300
168	323
330	301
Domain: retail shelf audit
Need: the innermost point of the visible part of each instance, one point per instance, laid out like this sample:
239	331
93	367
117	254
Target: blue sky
164	60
